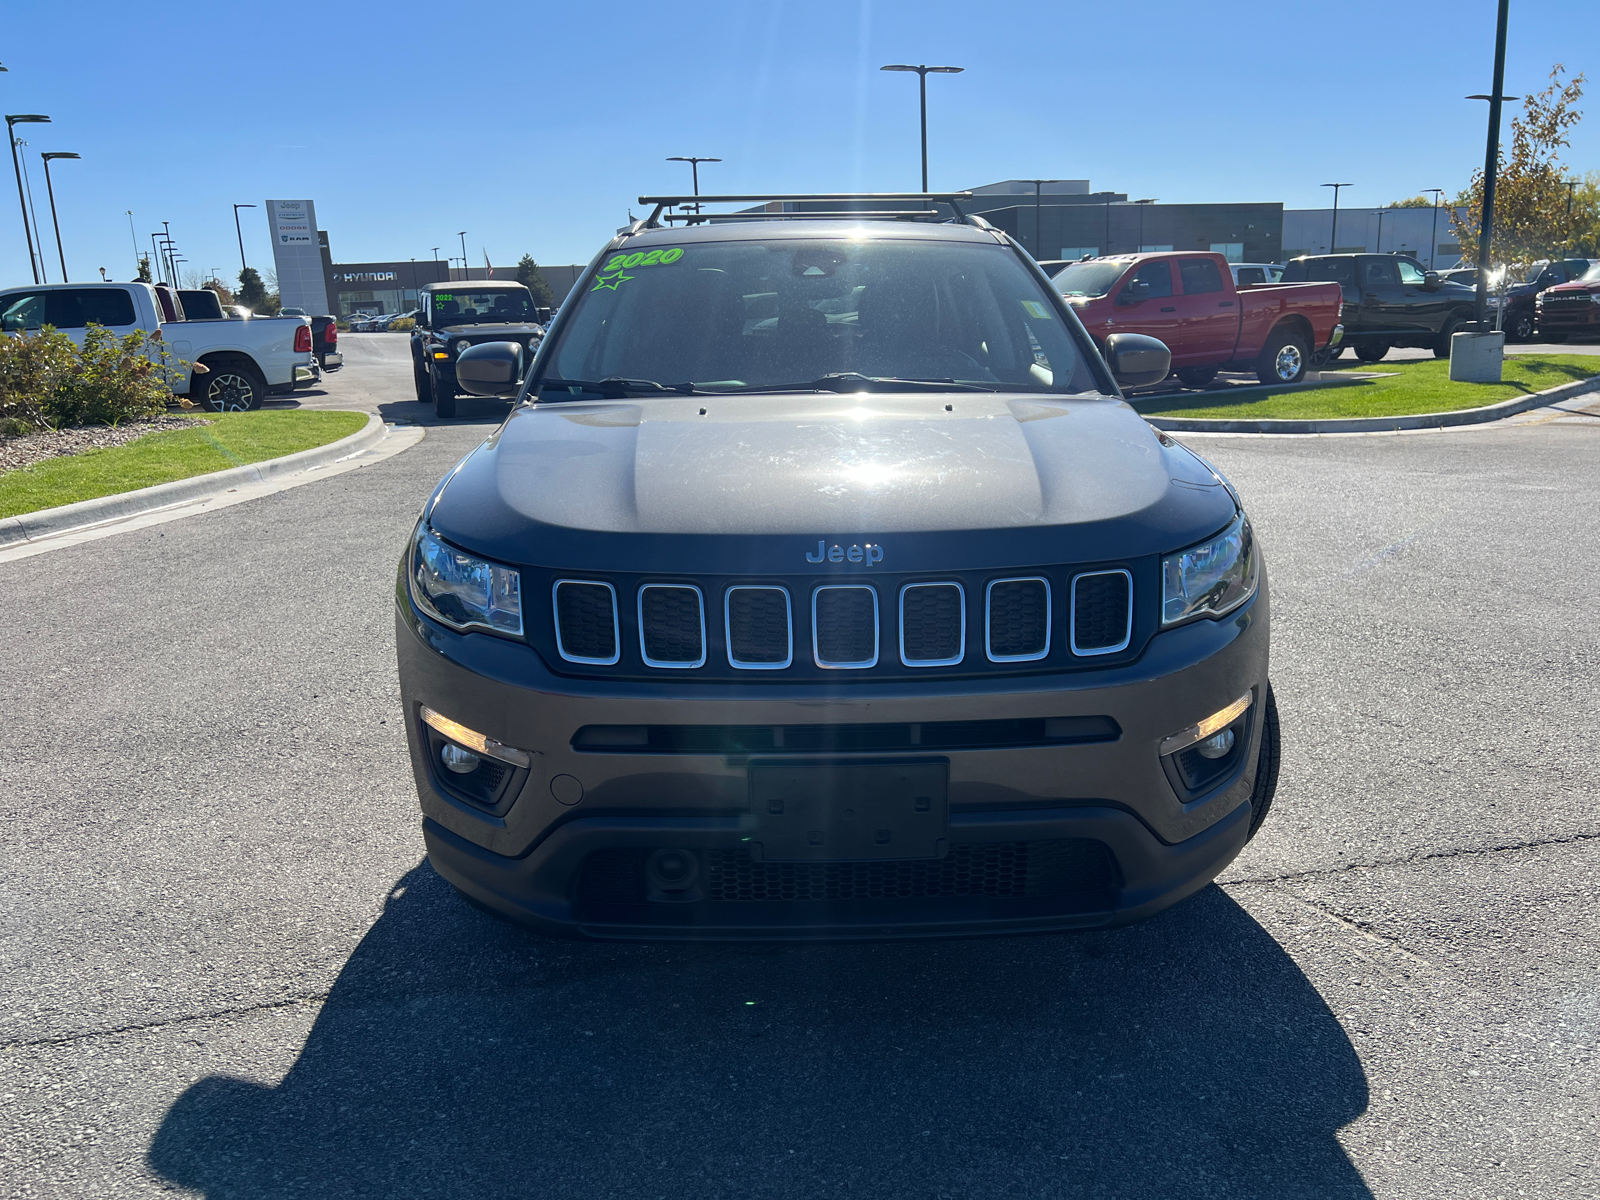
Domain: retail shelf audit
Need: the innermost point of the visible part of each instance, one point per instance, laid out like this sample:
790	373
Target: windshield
1592	275
1093	278
797	314
484	306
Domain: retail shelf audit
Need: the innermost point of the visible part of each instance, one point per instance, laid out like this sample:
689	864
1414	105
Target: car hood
1577	287
676	480
487	331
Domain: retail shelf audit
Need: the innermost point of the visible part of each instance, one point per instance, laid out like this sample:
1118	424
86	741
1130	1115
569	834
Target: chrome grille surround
816	647
616	628
988	619
961	629
1127	629
644	628
788	618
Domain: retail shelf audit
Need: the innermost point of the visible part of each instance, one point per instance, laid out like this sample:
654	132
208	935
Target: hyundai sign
297	255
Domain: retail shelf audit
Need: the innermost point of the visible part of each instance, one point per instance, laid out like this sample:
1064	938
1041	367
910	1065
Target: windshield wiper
852	381
615	386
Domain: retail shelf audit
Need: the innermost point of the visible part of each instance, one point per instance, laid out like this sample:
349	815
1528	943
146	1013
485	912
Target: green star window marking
611	281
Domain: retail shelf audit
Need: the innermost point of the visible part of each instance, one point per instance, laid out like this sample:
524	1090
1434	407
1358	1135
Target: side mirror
1134	292
1136	360
491	369
1431	281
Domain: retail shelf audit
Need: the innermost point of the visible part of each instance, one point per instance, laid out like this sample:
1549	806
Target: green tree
1530	202
529	276
144	271
252	292
1412	202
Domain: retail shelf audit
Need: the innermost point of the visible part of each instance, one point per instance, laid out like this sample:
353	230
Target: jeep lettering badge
870	553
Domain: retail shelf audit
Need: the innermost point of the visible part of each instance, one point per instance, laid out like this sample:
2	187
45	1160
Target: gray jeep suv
822	584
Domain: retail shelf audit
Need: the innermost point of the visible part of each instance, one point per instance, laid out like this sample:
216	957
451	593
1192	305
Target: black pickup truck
1389	301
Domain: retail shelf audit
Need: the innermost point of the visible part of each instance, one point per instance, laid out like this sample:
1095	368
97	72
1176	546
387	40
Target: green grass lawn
1414	387
231	440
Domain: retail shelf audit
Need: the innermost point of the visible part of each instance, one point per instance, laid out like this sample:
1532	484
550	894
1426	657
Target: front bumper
1109	799
1570	318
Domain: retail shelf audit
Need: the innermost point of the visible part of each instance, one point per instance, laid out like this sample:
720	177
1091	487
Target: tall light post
1491	161
1433	244
694	166
1038	238
33	212
1141	204
135	237
1570	185
463	236
238	229
1333	238
1379	249
54	221
923	72
12	121
157	263
172	276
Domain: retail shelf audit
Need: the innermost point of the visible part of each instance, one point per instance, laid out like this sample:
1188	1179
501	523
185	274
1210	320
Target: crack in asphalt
67	1039
1343	868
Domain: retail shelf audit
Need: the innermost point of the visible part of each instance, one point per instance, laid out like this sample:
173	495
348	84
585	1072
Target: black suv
1389	301
454	316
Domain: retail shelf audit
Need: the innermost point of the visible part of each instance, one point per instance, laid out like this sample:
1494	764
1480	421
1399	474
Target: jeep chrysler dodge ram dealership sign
295	254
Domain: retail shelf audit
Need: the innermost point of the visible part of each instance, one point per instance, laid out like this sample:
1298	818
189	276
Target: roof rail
953	199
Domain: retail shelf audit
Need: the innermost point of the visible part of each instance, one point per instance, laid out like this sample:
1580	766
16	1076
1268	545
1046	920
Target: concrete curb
1440	420
50	522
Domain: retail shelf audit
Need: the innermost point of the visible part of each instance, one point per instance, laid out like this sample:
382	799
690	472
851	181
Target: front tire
1522	328
1266	766
1196	377
1283	359
232	385
444	397
419	377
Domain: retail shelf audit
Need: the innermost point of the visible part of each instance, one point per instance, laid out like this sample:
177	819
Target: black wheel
1196	377
1266	767
1372	351
1283	359
1522	327
1441	347
419	377
232	385
444	397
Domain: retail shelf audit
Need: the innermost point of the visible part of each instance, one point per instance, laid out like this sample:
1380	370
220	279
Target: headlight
1212	578
462	345
462	591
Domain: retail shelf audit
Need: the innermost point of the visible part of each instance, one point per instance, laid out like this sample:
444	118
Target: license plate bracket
816	812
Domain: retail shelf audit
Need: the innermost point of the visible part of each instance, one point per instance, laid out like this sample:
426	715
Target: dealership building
390	287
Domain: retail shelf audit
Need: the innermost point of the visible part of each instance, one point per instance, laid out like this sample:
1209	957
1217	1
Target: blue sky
535	125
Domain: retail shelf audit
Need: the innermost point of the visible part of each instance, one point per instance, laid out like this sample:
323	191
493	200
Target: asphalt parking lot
228	971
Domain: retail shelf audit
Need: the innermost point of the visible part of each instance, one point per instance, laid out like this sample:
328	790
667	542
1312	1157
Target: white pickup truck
243	360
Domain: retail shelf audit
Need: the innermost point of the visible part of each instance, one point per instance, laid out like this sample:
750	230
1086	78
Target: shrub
47	381
406	325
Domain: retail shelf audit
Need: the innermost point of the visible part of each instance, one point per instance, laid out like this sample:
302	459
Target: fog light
464	762
487	747
672	870
1217	745
1200	731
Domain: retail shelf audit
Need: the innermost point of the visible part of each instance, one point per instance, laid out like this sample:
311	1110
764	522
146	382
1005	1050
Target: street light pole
54	220
463	236
1433	245
1379	250
1333	238
135	238
12	121
923	71
243	266
1141	204
172	276
1491	162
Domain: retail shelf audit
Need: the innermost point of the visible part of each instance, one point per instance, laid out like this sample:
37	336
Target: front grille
586	621
759	628
672	627
1018	624
1102	612
932	624
1063	867
844	626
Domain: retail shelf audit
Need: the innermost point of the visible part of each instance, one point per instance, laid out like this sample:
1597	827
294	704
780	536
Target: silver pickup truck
243	360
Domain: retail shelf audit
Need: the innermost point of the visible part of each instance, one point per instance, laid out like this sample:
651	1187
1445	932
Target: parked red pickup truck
1189	301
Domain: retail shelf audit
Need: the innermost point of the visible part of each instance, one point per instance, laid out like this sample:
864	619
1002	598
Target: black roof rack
953	199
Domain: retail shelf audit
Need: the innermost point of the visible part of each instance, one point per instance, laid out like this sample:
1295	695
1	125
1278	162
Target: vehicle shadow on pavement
457	1056
469	411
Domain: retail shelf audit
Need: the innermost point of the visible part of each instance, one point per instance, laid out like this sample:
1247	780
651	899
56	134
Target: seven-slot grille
672	625
1018	624
846	626
1102	612
586	622
933	624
